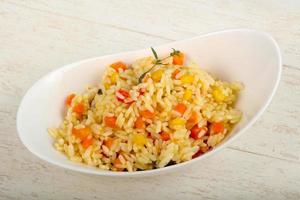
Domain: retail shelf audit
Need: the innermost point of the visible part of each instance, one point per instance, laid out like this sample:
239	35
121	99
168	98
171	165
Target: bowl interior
248	56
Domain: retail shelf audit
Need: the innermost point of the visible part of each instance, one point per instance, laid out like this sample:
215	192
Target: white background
37	36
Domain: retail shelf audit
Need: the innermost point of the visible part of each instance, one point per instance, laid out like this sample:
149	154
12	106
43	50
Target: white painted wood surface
37	36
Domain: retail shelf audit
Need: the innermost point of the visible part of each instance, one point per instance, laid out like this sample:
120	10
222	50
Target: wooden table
37	36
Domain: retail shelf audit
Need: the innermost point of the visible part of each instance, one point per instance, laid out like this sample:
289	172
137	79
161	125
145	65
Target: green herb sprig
158	62
175	52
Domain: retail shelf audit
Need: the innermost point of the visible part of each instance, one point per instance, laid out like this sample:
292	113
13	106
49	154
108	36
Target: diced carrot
180	108
110	121
195	132
122	95
118	164
176	71
69	99
147	114
81	133
118	65
87	142
165	136
139	123
78	108
217	127
109	142
193	119
178	59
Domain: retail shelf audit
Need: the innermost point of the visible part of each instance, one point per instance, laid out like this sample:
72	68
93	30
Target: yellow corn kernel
156	76
218	95
139	139
106	86
177	122
187	94
187	78
113	77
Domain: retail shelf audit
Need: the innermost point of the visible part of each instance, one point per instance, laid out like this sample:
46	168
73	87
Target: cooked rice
134	148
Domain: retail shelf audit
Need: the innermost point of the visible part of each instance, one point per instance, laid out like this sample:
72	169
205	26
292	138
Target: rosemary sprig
157	62
154	53
175	52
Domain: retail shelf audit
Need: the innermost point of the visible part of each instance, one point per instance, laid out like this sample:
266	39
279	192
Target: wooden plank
277	133
176	20
35	41
228	175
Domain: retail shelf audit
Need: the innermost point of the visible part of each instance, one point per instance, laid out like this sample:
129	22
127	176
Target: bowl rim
87	169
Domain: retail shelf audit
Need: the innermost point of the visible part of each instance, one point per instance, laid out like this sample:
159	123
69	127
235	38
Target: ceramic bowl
249	56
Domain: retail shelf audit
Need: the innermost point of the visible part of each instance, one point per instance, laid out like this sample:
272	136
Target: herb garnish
157	62
175	52
154	53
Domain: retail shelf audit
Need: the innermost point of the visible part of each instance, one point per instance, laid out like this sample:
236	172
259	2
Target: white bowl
246	55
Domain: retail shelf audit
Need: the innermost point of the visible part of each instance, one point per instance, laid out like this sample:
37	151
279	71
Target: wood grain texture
38	36
184	20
